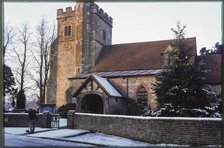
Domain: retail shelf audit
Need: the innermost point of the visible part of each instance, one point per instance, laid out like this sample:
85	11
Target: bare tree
45	36
8	38
21	52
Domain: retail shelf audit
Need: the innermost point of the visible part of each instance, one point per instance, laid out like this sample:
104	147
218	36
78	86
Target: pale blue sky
136	22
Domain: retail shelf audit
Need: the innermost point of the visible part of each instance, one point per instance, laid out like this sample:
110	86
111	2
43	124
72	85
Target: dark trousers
32	124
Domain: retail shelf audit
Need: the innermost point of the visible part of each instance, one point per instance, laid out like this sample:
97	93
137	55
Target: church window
78	70
104	35
142	96
68	31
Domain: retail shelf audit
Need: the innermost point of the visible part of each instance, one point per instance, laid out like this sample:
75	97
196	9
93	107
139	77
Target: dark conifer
21	100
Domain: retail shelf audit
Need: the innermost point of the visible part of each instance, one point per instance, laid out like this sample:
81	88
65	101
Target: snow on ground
21	141
59	133
109	140
63	122
72	135
22	130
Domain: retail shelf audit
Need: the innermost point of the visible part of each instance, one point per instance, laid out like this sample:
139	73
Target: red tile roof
134	56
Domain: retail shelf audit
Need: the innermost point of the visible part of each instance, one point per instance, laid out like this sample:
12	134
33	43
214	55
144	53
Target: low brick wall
190	131
21	120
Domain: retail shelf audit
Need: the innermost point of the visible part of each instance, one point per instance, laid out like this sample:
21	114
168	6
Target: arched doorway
92	103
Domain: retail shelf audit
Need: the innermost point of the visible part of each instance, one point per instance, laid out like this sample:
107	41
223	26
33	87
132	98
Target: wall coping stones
153	118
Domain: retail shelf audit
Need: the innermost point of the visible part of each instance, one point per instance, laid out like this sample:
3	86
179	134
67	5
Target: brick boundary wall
21	120
190	131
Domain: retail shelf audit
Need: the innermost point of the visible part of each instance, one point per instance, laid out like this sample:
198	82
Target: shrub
63	110
135	109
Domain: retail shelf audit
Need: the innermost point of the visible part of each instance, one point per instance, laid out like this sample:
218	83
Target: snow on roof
107	86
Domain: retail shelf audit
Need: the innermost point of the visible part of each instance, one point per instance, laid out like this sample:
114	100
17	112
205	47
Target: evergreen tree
136	108
9	85
9	81
180	88
21	100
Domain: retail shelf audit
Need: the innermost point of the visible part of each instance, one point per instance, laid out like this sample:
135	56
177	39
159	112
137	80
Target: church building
86	69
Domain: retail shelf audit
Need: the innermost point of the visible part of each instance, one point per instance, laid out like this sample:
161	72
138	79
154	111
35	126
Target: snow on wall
153	118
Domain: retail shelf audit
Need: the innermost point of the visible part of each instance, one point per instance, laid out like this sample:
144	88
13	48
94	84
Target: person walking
32	120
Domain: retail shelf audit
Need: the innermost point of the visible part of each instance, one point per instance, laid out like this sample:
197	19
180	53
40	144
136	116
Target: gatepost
70	119
48	119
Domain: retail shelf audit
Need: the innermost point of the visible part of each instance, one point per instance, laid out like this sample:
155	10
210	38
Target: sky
136	21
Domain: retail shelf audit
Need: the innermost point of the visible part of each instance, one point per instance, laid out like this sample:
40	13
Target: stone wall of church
97	32
74	85
101	31
117	106
52	81
133	84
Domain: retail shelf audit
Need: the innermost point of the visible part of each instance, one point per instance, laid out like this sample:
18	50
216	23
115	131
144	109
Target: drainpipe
127	95
127	88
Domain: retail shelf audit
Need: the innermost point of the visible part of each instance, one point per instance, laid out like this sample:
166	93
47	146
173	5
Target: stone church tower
82	33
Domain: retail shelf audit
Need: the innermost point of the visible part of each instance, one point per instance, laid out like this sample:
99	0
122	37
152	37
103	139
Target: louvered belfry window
68	31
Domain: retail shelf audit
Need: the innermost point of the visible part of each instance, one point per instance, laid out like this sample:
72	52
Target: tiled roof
213	64
120	73
134	56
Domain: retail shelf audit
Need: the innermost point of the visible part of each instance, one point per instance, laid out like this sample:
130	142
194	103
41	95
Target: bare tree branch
8	38
23	39
44	39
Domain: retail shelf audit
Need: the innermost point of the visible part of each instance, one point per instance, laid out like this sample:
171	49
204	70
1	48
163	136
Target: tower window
104	35
142	95
68	31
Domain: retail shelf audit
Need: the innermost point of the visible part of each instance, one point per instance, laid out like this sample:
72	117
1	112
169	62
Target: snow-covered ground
72	136
108	140
21	141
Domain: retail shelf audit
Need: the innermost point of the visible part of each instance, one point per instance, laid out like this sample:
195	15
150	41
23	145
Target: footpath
74	136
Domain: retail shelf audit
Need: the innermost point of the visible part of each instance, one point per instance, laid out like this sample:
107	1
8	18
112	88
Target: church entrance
92	103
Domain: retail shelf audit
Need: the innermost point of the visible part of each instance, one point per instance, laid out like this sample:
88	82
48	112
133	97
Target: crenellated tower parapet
95	9
69	12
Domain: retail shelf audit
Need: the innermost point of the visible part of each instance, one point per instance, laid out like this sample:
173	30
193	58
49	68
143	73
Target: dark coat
32	114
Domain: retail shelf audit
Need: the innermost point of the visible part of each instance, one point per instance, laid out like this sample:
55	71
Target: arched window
69	30
142	95
104	35
66	31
